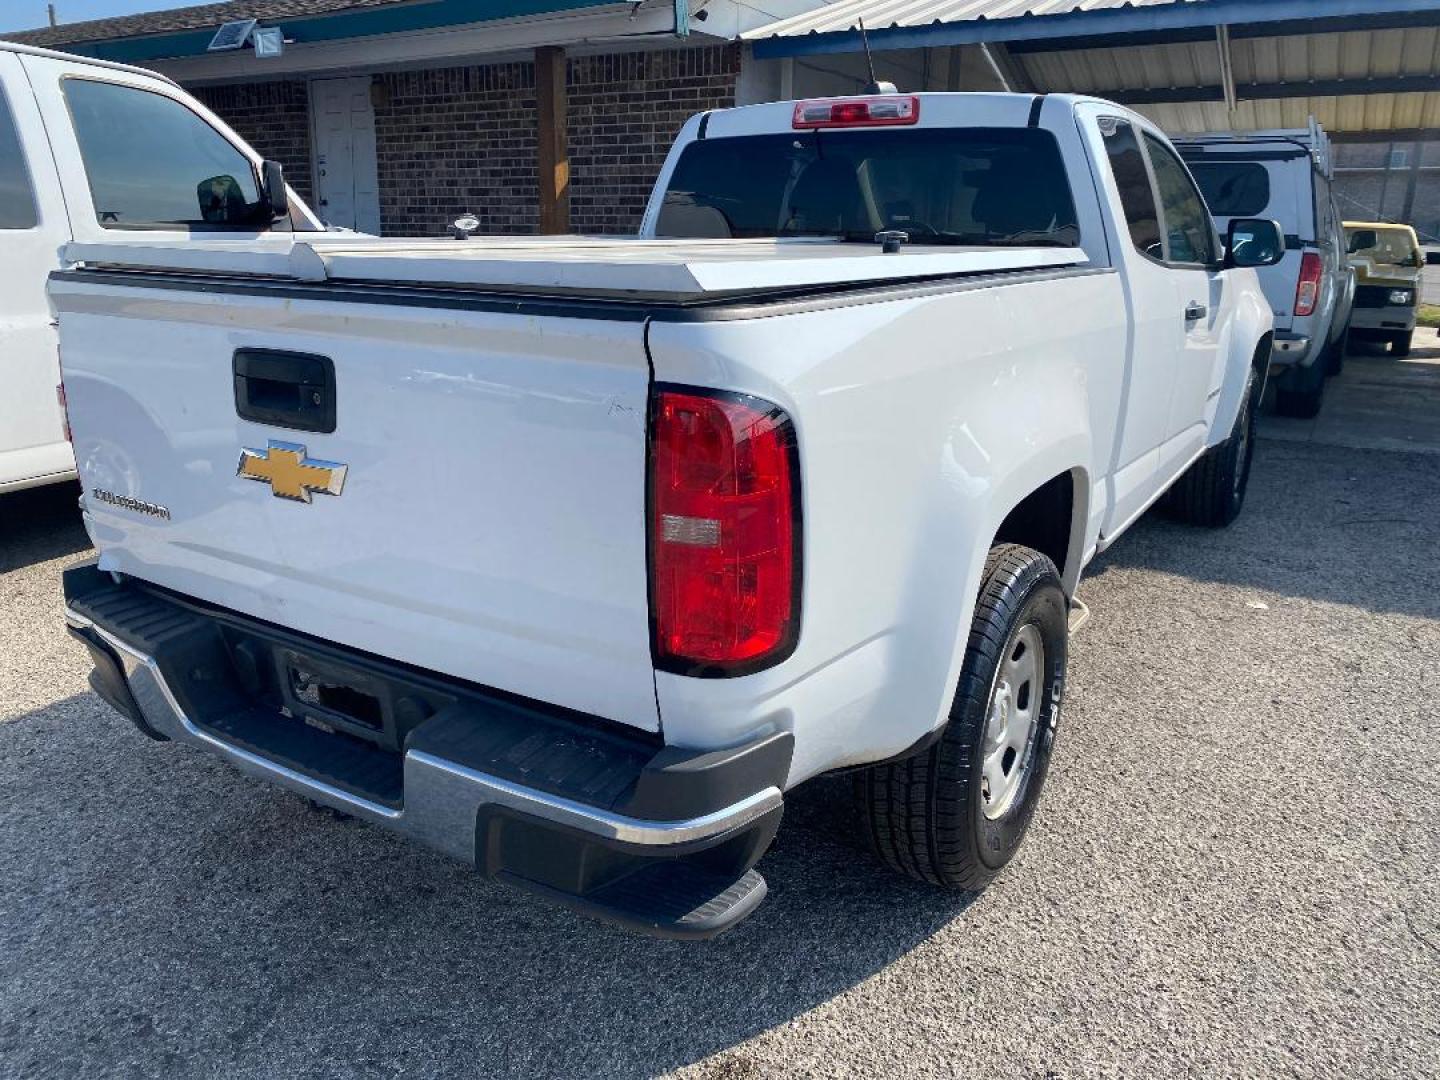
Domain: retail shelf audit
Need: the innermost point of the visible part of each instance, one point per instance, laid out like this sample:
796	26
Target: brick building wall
625	110
463	139
274	118
456	140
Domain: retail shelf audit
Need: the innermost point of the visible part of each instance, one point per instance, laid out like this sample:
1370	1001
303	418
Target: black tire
1400	343
1335	357
1212	491
926	814
1300	404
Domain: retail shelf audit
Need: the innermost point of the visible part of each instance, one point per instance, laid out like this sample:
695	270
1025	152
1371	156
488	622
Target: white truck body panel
492	526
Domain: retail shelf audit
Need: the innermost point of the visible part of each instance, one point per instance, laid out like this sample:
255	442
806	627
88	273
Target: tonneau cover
586	265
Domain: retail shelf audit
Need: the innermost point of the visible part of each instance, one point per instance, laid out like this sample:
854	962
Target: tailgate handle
285	389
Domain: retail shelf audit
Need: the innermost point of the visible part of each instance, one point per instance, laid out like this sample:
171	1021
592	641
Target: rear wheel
1400	343
1335	357
1212	491
955	814
1302	402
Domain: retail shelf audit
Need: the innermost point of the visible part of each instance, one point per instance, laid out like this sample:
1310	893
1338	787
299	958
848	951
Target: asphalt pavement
1233	872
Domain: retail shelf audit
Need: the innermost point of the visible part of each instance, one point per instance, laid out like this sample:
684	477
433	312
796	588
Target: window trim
1175	264
26	173
200	229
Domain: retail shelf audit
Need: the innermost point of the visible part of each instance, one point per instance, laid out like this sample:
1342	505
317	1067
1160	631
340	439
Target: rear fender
921	425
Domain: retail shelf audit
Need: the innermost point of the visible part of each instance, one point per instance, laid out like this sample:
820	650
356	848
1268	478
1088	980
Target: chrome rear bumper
655	838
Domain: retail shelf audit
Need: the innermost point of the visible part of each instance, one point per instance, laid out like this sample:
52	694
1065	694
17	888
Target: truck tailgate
491	520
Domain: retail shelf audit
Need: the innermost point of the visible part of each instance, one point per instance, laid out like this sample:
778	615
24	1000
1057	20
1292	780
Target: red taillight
724	533
1307	292
857	112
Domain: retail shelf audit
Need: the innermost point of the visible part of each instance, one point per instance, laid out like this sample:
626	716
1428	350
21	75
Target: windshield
1389	247
980	186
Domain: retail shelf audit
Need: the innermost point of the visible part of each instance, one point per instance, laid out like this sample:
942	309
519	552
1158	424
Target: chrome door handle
1194	310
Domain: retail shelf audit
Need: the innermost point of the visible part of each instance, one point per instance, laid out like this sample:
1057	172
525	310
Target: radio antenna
874	86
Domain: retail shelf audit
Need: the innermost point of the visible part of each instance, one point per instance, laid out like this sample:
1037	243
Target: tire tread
911	805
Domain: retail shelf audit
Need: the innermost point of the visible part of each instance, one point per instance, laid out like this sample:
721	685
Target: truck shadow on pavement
40	524
172	915
1328	523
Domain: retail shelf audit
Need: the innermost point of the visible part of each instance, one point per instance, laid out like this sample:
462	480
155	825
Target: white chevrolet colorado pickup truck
569	557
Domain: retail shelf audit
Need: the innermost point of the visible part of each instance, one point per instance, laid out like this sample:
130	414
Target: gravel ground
1234	871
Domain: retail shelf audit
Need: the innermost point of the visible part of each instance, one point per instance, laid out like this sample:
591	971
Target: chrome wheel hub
1011	721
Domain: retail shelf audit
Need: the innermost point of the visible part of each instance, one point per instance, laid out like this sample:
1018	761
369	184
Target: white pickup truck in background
570	557
90	150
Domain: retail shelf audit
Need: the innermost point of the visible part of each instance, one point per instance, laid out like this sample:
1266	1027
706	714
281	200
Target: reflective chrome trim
612	826
442	797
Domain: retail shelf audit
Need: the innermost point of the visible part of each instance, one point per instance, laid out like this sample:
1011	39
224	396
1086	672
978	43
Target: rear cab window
1233	188
963	186
152	163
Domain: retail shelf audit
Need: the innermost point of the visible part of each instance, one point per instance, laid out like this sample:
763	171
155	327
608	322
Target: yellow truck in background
1388	263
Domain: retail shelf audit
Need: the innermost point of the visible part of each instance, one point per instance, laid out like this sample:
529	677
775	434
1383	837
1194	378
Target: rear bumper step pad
657	839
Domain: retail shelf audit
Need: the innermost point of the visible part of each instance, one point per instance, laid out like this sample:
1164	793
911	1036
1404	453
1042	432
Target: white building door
347	183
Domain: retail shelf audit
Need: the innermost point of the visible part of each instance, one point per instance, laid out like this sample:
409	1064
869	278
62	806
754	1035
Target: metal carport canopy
916	24
1192	65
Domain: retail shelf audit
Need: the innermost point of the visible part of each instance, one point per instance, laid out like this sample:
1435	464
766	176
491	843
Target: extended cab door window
17	196
1189	235
1132	179
152	163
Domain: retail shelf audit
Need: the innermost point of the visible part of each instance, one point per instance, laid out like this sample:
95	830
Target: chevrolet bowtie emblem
290	474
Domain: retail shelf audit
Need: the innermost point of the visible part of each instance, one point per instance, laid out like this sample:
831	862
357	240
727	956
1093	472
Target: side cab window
152	163
17	193
1132	179
1189	232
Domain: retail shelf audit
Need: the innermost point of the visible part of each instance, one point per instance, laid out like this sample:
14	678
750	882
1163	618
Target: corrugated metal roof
1368	54
846	14
1293	61
1372	112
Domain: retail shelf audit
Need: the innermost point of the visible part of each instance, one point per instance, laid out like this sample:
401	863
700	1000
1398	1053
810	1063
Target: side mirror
221	201
275	193
1254	242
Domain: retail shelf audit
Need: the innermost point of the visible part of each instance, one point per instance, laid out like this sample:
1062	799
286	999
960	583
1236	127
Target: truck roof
87	61
595	266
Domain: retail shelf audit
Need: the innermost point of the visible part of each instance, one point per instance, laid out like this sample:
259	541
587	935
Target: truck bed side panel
921	422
